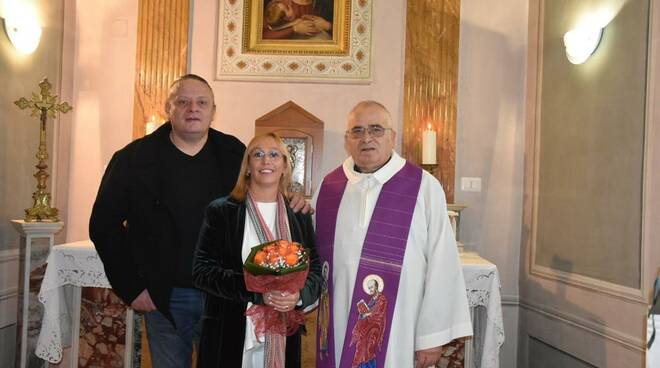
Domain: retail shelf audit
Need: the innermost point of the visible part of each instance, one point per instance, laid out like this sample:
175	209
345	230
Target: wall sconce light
22	26
581	42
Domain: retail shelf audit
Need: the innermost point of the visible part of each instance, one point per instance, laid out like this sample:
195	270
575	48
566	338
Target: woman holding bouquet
254	213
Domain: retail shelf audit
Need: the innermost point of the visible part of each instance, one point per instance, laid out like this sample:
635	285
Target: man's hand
298	203
143	302
428	357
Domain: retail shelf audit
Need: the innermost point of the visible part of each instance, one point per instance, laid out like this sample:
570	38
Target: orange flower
292	259
279	255
260	257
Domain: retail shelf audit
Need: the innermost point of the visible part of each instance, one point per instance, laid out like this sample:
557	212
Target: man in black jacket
149	210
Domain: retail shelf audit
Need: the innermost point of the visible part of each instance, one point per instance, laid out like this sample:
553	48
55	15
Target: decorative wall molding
629	342
8	255
588	283
510	300
531	192
8	293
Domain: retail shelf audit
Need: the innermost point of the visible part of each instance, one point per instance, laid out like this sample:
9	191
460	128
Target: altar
74	266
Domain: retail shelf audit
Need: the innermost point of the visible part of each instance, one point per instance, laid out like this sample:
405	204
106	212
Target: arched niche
302	132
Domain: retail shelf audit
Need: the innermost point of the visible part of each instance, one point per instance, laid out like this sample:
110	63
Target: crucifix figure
43	105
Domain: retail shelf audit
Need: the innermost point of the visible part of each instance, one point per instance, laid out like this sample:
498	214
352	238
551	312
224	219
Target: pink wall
103	88
241	103
102	96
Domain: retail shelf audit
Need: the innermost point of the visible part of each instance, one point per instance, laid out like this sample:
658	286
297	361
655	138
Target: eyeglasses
260	155
374	130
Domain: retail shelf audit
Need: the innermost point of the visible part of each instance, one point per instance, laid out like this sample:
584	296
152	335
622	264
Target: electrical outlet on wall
470	184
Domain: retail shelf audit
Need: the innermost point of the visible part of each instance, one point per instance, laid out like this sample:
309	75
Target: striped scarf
275	345
281	222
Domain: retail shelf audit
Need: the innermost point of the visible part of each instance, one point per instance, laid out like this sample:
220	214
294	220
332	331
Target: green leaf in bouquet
256	269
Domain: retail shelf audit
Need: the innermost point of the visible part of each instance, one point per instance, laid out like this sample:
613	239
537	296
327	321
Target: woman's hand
281	301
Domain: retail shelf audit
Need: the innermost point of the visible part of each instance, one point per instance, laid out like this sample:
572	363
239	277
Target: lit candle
428	147
151	125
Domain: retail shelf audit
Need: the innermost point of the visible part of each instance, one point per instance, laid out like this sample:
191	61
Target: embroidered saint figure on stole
324	312
368	332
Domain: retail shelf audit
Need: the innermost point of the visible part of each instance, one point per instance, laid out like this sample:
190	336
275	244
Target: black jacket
131	226
218	270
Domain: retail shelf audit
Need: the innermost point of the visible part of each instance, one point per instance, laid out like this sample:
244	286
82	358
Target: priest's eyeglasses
374	130
260	155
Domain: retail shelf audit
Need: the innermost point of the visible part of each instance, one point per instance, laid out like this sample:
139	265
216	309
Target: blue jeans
170	346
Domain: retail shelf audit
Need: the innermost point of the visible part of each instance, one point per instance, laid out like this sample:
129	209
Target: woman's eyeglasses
260	155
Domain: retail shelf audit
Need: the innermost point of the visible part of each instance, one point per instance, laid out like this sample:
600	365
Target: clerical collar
357	169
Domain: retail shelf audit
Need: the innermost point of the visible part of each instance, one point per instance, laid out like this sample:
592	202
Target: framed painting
295	40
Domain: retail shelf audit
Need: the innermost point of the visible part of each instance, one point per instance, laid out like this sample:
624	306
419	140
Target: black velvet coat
218	269
132	226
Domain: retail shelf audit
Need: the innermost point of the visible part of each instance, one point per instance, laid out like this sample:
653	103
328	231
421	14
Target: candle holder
430	168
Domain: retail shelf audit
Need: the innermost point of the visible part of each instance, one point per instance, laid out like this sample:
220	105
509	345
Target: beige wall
591	145
19	132
592	319
19	139
489	142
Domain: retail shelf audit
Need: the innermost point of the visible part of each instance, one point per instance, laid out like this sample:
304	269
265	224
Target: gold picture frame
265	40
283	39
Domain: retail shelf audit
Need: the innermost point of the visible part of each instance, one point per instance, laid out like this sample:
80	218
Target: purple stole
381	260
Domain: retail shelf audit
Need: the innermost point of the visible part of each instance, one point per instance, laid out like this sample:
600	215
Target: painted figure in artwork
369	330
298	20
324	312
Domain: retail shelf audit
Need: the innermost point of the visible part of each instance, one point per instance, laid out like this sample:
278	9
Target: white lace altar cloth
79	265
482	282
75	264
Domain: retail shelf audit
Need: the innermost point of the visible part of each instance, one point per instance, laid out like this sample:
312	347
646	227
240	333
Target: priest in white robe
431	307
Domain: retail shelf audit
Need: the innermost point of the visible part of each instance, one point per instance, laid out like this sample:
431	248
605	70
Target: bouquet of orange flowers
277	265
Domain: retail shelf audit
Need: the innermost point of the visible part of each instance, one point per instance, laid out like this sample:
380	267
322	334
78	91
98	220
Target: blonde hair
243	183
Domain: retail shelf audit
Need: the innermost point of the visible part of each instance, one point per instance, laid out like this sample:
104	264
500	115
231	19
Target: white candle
151	125
428	147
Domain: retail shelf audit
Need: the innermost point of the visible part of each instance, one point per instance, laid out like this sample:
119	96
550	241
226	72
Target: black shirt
187	188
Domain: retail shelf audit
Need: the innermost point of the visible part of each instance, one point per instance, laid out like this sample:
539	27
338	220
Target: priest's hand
143	302
298	203
428	357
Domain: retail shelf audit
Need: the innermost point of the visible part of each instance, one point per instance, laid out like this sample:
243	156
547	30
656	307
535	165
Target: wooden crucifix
43	105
